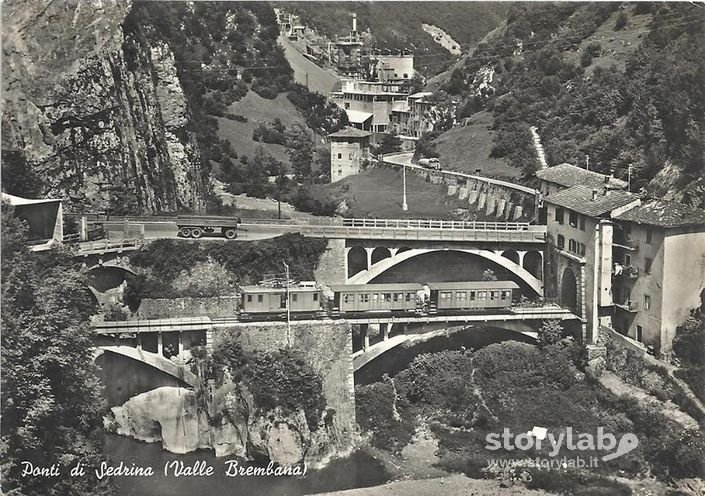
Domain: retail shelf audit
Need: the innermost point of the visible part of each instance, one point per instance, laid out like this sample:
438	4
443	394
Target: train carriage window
260	298
460	295
387	297
494	295
346	298
472	295
375	297
482	295
408	297
506	295
364	298
249	298
315	296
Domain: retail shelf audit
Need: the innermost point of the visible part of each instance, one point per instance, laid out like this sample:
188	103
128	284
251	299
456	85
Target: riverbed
360	469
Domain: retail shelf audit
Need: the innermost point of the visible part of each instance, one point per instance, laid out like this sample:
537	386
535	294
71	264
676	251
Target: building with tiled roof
620	261
665	214
562	176
594	202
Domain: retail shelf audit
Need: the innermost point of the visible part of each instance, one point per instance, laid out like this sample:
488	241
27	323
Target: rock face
171	415
96	113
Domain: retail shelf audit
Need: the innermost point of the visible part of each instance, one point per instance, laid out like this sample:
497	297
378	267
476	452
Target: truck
430	163
191	226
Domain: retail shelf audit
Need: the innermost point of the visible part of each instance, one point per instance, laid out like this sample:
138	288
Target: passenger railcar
450	296
376	298
266	302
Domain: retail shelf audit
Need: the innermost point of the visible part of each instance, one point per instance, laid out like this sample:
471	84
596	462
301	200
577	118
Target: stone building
621	261
349	150
658	270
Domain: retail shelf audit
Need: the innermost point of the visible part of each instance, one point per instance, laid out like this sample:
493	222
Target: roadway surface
404	159
337	228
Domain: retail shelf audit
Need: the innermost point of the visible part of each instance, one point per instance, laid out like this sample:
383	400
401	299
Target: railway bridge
160	344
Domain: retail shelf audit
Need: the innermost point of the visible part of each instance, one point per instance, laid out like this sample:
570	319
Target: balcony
626	271
628	306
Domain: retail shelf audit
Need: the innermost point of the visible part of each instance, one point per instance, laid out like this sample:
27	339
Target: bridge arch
128	371
569	290
511	255
366	276
533	262
379	254
357	260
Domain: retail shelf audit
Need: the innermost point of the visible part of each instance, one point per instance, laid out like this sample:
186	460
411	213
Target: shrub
235	117
375	412
550	333
585	58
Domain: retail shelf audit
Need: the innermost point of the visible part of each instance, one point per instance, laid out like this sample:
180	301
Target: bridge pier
364	332
384	329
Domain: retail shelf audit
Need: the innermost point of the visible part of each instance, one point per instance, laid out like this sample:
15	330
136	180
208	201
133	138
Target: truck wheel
230	234
185	232
196	232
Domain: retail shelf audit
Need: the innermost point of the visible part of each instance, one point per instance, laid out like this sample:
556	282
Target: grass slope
378	193
468	148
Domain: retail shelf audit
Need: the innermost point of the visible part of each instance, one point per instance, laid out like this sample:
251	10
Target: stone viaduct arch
365	276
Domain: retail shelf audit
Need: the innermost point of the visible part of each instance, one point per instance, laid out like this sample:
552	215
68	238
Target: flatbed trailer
195	226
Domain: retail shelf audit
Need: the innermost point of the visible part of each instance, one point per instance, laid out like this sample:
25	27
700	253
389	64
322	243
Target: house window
294	297
347	105
627	260
315	296
573	219
260	298
649	236
582	222
561	241
647	302
340	155
340	172
572	246
351	155
647	265
639	333
249	298
581	249
559	215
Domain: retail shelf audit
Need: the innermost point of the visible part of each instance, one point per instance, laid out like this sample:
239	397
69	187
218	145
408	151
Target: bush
235	117
585	58
375	412
695	378
550	333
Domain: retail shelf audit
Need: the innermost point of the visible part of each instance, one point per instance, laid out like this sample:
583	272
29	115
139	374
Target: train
308	301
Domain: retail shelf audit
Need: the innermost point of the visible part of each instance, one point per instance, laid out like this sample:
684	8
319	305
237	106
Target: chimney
354	22
594	194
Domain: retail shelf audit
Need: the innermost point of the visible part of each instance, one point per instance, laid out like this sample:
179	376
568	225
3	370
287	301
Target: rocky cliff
97	115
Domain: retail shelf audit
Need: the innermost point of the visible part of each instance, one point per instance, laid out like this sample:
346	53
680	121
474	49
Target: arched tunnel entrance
569	290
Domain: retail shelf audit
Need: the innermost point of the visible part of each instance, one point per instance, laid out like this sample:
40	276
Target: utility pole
288	308
587	162
404	206
629	177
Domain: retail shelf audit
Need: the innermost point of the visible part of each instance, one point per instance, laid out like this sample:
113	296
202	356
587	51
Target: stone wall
331	266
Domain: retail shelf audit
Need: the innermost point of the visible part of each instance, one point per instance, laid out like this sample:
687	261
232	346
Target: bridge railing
109	245
395	223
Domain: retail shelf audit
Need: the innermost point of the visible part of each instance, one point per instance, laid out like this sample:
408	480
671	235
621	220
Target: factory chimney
354	22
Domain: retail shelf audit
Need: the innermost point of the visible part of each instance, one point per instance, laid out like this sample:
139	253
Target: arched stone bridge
365	263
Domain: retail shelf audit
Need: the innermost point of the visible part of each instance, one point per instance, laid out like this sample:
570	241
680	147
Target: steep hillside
92	114
624	84
400	24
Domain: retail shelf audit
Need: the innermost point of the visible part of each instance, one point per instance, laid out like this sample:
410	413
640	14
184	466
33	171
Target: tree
390	143
17	176
489	275
549	333
51	396
300	149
